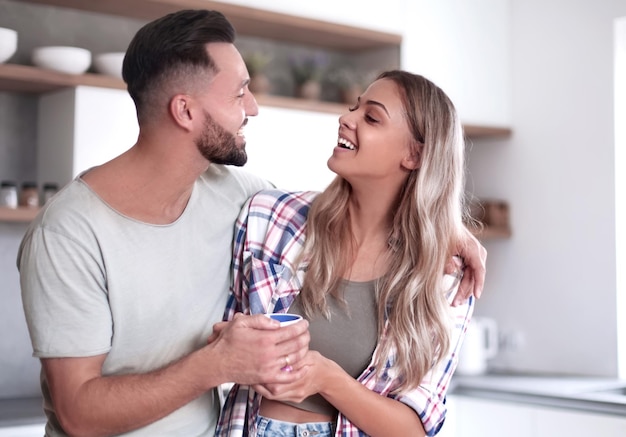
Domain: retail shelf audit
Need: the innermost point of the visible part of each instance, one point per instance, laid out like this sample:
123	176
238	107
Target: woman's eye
370	119
353	108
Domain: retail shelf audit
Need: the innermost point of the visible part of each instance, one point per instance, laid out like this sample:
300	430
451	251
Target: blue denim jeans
276	428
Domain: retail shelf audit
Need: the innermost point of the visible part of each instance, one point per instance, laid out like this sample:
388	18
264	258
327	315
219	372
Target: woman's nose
347	120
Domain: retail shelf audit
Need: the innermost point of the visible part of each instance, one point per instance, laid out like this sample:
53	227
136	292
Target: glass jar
49	190
8	194
29	195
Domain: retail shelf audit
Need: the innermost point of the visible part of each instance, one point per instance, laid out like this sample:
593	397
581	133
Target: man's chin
236	161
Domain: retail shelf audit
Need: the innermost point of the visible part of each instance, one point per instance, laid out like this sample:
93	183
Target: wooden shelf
28	79
492	233
20	214
247	21
474	131
25	215
301	104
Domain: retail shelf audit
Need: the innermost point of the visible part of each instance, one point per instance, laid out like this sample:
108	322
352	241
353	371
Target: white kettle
479	346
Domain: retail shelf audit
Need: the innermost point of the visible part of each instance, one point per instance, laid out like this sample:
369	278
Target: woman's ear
413	160
181	110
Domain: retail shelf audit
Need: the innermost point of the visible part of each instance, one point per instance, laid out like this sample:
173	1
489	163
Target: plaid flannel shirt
269	236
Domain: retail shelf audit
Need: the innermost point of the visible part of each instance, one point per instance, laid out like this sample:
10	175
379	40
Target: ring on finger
287	367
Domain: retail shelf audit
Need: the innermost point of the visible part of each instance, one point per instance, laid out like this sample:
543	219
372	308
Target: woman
364	262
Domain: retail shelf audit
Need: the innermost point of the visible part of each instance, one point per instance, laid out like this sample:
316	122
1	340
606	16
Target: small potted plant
307	71
256	62
350	83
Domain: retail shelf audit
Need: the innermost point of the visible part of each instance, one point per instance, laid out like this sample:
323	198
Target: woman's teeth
342	142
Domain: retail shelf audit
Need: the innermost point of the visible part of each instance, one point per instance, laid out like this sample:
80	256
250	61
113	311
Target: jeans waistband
267	427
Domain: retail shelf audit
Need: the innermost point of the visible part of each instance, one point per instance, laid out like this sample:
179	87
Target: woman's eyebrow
375	103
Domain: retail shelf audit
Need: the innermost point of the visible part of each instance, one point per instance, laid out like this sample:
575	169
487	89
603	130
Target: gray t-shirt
94	282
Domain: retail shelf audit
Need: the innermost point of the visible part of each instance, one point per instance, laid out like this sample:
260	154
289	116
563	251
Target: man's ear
181	111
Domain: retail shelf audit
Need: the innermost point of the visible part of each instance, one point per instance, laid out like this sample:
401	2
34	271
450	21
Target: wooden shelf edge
301	104
19	215
492	233
247	21
471	131
29	79
475	131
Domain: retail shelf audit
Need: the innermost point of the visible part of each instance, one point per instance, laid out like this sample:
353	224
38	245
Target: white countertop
606	395
603	395
19	412
36	430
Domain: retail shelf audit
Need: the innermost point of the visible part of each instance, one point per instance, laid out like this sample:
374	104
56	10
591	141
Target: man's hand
255	349
472	259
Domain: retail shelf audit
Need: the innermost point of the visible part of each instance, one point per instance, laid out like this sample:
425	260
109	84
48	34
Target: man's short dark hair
170	44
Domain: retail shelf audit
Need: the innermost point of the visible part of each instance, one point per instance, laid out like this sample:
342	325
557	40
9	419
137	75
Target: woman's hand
316	370
472	259
362	406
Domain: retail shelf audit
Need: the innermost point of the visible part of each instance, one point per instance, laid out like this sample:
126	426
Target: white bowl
72	60
8	43
109	63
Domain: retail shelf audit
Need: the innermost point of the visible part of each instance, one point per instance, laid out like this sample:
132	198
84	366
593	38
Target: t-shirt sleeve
64	296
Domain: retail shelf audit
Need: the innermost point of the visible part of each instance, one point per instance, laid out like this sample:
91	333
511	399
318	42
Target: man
125	272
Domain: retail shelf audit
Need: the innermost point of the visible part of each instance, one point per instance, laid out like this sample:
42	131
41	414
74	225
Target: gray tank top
348	338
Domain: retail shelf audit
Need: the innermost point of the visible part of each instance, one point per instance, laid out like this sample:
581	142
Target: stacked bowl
109	63
66	59
8	44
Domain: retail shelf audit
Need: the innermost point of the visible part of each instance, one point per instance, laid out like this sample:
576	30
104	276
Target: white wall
389	18
290	148
620	183
555	279
546	70
464	47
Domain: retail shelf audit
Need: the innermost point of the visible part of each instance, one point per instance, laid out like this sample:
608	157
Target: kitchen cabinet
473	417
82	127
553	422
78	128
469	417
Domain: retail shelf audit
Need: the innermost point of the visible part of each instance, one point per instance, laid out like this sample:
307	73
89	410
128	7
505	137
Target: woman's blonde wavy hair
427	221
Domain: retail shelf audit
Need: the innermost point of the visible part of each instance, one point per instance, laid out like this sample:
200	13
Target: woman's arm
418	412
374	414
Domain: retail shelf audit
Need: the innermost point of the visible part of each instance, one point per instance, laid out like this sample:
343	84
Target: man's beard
219	146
